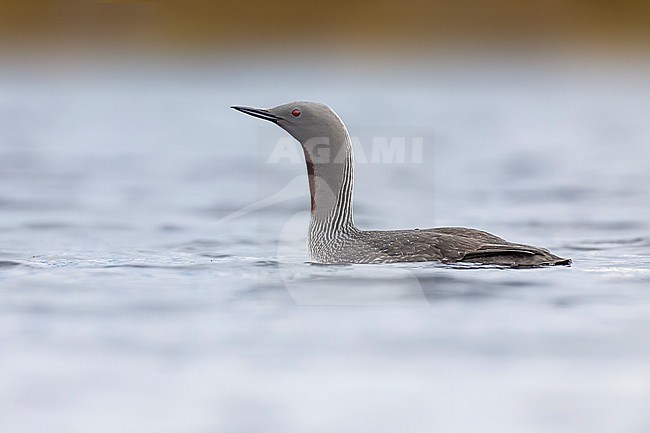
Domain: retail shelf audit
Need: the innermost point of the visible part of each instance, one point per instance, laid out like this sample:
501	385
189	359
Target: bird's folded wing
491	249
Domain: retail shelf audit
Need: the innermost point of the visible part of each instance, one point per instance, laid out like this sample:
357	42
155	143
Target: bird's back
445	244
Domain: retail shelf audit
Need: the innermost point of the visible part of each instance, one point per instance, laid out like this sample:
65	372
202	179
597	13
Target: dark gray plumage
333	237
444	244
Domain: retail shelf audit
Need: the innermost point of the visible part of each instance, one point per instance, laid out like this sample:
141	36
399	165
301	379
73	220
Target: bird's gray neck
330	166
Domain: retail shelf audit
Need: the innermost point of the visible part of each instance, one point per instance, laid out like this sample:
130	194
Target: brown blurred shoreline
362	26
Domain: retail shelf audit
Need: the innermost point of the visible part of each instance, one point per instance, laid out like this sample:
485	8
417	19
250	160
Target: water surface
128	303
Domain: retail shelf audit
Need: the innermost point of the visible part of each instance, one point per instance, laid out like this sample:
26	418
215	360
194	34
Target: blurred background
128	304
359	27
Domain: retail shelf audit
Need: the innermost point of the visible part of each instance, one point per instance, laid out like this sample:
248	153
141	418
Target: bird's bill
259	113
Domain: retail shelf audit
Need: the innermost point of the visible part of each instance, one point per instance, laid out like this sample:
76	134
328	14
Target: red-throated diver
333	237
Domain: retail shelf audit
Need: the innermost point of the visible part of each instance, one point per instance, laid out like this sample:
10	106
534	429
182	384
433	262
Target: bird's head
305	121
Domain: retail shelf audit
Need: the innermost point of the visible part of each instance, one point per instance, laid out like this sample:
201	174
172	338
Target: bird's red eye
295	112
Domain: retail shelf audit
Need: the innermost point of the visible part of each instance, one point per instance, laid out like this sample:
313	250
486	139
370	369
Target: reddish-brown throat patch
312	179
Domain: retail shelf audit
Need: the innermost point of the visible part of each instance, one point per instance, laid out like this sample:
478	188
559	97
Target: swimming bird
333	238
